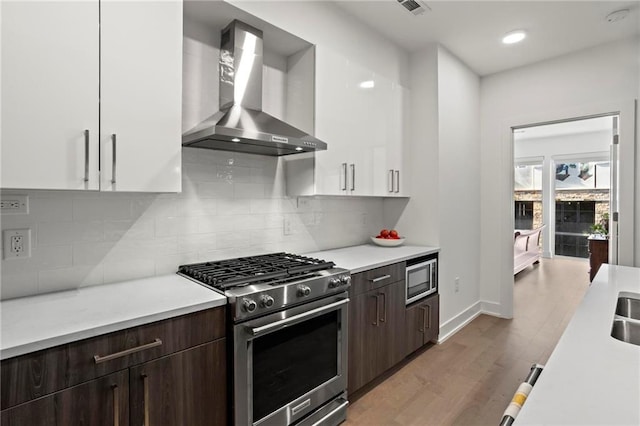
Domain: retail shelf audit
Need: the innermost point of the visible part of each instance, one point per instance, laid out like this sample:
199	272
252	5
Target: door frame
626	110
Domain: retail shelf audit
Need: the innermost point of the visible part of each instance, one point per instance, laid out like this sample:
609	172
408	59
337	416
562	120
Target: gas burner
258	285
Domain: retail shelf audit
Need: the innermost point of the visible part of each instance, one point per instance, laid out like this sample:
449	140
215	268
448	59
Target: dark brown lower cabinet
376	339
99	402
184	389
169	373
422	323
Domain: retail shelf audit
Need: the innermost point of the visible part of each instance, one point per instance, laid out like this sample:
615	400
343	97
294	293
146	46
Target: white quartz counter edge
369	256
590	378
44	321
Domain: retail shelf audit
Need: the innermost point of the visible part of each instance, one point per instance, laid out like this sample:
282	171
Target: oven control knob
248	305
266	301
334	282
303	290
345	280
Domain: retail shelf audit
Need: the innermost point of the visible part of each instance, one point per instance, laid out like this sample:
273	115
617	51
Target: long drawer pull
376	321
378	279
422	328
116	405
86	155
145	384
100	359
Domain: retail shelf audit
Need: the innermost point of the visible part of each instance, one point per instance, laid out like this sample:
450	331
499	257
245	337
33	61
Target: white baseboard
458	322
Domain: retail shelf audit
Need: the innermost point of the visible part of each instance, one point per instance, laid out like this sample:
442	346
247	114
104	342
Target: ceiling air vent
417	7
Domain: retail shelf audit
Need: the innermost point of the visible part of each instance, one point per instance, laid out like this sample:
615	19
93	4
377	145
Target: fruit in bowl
388	238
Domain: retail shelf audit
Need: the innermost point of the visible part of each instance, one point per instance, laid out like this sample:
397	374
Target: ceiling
472	30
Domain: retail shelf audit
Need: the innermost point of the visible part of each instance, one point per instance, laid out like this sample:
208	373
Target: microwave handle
278	325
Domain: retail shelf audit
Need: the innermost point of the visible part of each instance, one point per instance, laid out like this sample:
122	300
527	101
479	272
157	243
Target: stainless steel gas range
289	325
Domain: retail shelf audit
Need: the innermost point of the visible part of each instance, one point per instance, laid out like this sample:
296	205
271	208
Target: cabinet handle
381	278
353	177
100	359
428	315
116	405
344	175
424	319
145	386
397	181
377	310
390	181
86	155
113	161
384	303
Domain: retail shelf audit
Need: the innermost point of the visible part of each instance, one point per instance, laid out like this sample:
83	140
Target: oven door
289	364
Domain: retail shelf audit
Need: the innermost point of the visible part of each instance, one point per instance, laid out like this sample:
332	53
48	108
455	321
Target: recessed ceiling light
368	84
298	148
514	37
235	140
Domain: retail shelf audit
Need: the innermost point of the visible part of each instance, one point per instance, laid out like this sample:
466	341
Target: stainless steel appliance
421	277
241	125
289	325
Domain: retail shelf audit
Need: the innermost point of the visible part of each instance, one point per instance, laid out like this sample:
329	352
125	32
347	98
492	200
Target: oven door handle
278	325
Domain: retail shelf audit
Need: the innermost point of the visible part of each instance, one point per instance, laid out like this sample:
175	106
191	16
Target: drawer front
378	277
37	374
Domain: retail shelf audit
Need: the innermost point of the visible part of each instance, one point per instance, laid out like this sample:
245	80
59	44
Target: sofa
526	248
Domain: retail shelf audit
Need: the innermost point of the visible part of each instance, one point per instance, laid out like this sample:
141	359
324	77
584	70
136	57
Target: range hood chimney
241	125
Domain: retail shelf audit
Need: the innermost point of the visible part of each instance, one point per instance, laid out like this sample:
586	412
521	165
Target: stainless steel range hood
241	125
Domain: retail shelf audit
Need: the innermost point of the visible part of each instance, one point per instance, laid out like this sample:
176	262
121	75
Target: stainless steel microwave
421	277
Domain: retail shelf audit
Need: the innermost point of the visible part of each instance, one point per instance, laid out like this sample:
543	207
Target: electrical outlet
286	226
14	204
456	285
17	243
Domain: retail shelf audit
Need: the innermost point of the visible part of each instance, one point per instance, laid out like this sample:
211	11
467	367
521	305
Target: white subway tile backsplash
197	243
18	284
214	189
168	226
51	209
50	280
143	228
109	207
122	271
232	205
248	190
69	232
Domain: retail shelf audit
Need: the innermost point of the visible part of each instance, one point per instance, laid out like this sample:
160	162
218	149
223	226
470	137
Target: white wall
444	206
459	189
597	80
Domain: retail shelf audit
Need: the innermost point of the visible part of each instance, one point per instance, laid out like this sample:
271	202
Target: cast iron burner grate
275	268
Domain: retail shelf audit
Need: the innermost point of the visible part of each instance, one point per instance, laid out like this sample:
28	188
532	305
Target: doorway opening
565	178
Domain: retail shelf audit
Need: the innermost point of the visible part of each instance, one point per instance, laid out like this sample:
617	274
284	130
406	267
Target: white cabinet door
49	94
332	123
141	80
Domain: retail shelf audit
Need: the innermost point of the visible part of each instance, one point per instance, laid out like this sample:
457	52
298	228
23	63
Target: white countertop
369	256
590	378
39	322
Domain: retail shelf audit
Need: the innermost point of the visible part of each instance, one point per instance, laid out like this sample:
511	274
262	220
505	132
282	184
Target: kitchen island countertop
369	256
44	321
590	378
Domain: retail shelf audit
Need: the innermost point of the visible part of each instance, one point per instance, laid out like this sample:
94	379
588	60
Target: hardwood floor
471	377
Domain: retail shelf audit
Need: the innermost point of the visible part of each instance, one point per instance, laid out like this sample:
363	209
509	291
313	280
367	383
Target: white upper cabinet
358	113
50	94
141	95
110	67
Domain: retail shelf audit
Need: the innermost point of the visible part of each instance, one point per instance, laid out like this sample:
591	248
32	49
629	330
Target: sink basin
627	331
628	307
